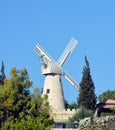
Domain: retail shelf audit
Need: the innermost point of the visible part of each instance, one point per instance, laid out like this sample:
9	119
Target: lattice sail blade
68	50
71	80
48	65
42	53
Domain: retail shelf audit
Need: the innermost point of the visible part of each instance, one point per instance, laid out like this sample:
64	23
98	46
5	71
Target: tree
87	97
18	107
70	105
2	76
109	94
2	71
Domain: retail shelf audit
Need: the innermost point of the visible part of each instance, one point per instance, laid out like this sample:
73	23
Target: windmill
53	72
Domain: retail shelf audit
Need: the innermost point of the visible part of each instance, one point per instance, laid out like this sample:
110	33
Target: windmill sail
42	53
71	80
48	65
68	50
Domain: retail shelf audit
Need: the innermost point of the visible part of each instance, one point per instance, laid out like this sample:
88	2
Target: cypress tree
2	76
87	97
2	71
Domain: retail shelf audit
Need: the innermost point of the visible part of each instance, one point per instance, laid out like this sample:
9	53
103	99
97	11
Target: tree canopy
109	94
87	97
20	109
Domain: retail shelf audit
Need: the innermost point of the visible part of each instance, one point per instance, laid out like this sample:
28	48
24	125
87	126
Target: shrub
81	113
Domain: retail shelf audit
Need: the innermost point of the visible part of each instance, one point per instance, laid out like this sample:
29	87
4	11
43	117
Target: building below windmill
61	117
105	107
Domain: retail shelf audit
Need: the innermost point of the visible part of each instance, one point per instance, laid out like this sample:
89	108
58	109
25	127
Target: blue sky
51	23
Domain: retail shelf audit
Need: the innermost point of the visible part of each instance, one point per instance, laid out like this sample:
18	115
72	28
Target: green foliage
31	124
111	113
19	109
109	94
70	105
92	127
111	129
81	113
87	97
103	123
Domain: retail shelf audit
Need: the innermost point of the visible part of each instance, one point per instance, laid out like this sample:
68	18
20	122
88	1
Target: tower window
48	91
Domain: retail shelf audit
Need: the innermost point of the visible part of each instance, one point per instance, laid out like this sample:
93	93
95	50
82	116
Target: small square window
48	91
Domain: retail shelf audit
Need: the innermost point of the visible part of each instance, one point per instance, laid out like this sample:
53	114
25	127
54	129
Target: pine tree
87	97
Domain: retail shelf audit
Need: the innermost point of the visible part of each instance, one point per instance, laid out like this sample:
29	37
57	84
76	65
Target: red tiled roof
108	106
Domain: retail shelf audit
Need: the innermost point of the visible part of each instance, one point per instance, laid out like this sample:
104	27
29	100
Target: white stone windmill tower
53	71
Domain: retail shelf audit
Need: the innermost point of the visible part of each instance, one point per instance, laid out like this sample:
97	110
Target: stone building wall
63	115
